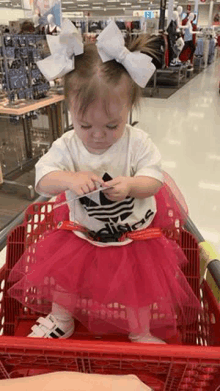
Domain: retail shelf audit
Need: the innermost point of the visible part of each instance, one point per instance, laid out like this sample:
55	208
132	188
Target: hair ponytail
147	44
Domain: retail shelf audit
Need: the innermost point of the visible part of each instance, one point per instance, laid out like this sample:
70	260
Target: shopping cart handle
214	269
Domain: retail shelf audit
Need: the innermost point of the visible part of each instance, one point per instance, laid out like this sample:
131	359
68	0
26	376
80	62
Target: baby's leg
142	322
58	324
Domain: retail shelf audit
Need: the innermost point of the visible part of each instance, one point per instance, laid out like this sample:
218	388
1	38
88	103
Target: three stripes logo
108	211
113	213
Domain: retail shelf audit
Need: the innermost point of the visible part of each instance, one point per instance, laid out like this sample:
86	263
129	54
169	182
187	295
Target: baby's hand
83	182
122	188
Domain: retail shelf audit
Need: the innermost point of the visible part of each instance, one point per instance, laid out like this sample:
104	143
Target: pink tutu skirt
111	289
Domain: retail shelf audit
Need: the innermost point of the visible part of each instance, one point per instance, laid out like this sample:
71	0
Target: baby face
99	128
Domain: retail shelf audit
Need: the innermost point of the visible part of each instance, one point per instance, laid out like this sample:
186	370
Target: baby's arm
56	171
137	187
79	183
143	186
54	182
146	165
147	175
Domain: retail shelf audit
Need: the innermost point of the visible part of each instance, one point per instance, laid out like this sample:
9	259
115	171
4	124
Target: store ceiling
82	5
69	6
86	5
11	3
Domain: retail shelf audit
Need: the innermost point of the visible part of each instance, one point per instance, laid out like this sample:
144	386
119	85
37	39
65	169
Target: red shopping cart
190	364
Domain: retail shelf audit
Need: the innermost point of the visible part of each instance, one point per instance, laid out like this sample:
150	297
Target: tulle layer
110	289
102	283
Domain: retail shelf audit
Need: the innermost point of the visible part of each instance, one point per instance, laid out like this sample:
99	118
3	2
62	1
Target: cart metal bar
214	270
213	265
17	221
19	188
190	227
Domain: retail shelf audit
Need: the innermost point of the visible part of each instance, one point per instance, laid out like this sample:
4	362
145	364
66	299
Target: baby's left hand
122	188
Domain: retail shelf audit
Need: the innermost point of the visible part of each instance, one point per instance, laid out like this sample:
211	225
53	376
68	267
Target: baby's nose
98	134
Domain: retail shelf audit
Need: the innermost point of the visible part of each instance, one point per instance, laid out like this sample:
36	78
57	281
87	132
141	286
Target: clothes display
211	54
21	77
94	26
199	47
121	24
173	36
51	28
80	25
189	38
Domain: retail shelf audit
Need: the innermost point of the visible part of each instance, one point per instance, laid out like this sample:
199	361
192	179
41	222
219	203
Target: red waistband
143	234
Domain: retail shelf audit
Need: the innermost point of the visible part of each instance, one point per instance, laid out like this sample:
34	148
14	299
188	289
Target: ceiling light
114	8
209	186
174	142
125	3
112	1
98	3
135	6
73	13
169	164
214	157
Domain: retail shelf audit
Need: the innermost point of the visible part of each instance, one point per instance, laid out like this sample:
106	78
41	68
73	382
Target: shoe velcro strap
47	323
38	331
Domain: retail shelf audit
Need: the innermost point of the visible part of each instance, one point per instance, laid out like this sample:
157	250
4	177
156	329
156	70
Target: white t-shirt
134	154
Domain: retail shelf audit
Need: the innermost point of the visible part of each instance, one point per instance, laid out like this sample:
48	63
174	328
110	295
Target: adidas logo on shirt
113	213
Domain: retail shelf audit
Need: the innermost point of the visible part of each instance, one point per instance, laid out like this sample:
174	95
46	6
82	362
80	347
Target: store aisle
186	129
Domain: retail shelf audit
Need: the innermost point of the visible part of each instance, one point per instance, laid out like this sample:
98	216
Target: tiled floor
186	129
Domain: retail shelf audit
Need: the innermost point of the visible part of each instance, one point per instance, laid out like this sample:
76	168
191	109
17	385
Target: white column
87	24
170	11
211	13
196	6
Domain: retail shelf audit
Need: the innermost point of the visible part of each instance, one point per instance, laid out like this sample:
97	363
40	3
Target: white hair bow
63	48
111	46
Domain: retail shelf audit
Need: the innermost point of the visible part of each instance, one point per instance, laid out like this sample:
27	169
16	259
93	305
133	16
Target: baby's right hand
83	182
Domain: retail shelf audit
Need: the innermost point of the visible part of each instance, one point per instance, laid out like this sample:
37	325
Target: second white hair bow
111	46
63	48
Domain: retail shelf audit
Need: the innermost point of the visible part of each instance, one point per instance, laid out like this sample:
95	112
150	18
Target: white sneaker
50	327
146	338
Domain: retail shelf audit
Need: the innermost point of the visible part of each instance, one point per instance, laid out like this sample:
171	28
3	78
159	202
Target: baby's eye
112	127
85	127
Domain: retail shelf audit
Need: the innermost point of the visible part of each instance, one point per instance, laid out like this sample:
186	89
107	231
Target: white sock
140	320
61	313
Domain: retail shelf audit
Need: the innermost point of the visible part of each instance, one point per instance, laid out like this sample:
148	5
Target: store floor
186	129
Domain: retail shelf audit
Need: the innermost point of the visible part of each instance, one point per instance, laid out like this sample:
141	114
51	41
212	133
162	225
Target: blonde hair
92	78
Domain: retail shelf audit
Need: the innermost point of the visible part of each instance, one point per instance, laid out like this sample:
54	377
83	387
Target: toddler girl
115	272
